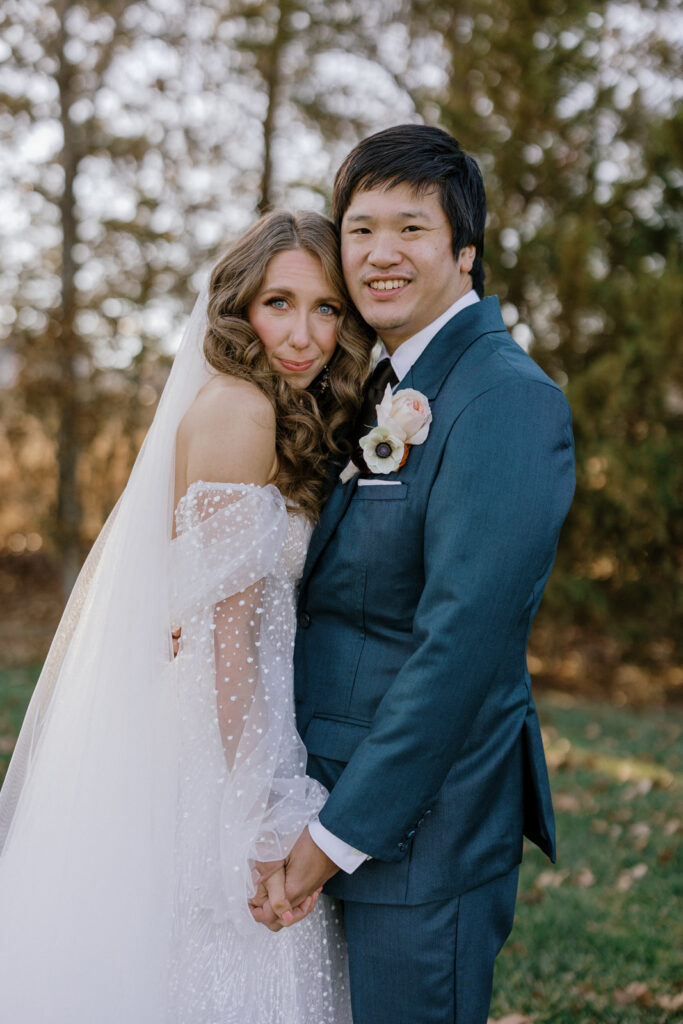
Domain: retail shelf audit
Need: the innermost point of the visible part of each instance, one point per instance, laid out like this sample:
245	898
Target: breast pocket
386	490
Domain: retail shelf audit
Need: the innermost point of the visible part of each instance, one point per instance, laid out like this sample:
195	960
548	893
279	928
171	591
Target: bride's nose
299	337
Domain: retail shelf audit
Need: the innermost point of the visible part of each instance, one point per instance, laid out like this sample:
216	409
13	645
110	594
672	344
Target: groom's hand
269	902
306	870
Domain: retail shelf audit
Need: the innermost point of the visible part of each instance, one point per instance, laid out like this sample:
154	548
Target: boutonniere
403	420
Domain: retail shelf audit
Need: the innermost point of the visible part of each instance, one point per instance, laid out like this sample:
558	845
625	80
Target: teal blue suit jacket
412	691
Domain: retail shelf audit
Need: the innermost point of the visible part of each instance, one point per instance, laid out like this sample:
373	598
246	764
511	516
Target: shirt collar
409	351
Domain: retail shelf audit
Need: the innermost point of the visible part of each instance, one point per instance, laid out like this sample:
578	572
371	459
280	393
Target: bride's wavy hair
312	424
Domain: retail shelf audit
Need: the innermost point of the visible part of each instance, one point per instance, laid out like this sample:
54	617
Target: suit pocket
334	739
388	491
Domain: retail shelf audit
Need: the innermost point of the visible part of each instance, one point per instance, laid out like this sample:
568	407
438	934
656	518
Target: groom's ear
466	258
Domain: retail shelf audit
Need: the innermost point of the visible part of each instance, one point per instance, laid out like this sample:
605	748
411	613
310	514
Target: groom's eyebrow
357	218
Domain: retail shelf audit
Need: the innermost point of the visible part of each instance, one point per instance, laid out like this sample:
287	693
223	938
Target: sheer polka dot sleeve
229	536
244	794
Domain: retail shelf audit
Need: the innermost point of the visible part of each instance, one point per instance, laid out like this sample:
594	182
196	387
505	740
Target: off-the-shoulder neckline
222	485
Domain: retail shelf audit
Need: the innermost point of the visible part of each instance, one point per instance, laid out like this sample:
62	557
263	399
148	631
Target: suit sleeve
492	522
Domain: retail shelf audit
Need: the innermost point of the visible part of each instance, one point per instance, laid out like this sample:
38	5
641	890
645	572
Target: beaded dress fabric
242	791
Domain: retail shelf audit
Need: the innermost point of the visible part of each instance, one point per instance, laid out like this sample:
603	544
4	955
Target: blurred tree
321	77
95	245
146	135
139	137
574	113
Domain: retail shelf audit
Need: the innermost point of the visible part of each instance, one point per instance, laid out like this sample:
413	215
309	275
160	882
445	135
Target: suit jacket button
411	833
304	620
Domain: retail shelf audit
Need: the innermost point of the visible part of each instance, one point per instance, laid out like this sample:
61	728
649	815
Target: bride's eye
277	302
328	310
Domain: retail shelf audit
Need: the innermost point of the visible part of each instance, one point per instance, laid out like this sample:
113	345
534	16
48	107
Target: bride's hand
267	916
270	906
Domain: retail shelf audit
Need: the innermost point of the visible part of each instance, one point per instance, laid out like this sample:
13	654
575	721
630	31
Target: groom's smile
398	260
390	288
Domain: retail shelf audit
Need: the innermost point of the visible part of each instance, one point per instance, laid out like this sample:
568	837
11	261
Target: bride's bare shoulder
228	433
223	400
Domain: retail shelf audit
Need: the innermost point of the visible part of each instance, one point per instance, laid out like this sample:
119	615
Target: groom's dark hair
424	157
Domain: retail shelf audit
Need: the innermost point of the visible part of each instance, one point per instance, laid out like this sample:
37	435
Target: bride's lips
296	367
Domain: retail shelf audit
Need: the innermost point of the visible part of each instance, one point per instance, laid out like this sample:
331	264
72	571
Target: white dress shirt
408	352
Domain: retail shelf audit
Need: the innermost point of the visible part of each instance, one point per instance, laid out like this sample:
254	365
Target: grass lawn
16	687
598	937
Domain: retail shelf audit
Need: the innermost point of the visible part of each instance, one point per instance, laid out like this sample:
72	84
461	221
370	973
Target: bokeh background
139	138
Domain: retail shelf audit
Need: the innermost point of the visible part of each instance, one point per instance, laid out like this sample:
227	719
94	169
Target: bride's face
295	314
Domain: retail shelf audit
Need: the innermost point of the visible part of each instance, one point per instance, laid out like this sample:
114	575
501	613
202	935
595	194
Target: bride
144	789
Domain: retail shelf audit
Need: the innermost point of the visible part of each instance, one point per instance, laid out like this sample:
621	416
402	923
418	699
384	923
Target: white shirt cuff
344	856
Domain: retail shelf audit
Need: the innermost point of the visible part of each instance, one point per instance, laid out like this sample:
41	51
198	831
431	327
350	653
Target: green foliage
570	111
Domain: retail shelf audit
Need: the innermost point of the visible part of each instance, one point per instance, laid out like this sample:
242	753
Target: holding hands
288	890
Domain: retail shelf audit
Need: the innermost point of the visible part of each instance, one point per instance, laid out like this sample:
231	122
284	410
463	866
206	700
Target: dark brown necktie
382	375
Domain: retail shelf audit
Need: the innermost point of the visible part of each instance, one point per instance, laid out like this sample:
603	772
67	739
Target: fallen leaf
566	802
641	788
550	879
512	1018
585	878
531	896
637	992
670	1002
631	875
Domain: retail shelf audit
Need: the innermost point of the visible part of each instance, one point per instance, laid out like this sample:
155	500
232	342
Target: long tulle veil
87	811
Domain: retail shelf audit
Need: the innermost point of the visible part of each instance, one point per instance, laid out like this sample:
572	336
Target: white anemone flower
382	450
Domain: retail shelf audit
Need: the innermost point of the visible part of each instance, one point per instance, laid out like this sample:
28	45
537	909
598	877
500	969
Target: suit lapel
426	375
333	511
435	364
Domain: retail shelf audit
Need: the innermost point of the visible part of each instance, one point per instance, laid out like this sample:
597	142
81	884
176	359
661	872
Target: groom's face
398	260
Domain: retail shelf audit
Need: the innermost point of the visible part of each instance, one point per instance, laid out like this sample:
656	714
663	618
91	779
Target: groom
421	583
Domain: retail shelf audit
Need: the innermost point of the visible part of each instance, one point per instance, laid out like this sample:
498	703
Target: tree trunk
67	342
272	73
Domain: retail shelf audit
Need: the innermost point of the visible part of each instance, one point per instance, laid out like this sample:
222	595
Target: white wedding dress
242	793
142	786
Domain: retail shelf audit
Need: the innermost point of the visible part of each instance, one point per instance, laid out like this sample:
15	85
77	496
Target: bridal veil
88	812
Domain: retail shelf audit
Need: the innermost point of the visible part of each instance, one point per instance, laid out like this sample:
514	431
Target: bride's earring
325	379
